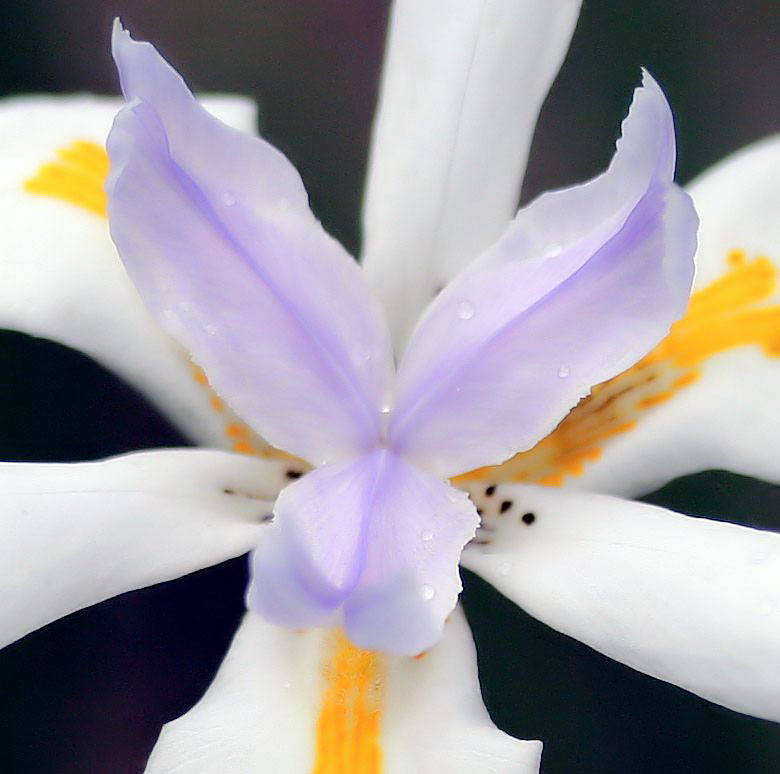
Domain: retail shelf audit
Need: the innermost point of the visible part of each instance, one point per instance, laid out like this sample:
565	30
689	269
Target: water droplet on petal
504	568
210	329
552	250
228	199
384	408
465	310
362	354
563	371
426	535
427	592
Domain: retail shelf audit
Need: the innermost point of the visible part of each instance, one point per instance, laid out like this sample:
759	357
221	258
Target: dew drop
210	329
228	199
362	354
504	568
552	250
426	535
385	408
563	371
465	310
427	592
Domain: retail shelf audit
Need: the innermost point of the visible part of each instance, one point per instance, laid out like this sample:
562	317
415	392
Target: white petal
436	721
262	712
60	276
738	201
462	87
689	601
714	398
72	535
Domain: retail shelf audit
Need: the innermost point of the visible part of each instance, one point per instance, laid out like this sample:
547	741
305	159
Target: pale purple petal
215	230
410	581
311	557
583	283
376	535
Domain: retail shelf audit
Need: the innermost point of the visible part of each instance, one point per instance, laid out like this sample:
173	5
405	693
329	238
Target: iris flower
357	483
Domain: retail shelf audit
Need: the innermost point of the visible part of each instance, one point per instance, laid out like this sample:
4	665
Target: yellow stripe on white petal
689	601
462	86
75	176
309	702
709	395
72	535
351	705
60	276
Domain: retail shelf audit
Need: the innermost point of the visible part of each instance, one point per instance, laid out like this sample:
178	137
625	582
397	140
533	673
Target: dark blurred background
88	693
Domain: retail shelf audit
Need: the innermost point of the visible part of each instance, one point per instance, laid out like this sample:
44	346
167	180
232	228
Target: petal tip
119	36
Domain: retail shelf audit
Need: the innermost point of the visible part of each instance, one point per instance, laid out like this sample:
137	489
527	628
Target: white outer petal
60	276
72	535
436	721
730	417
259	715
462	86
738	201
689	601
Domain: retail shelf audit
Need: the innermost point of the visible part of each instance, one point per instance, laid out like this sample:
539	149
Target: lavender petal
215	230
374	538
583	283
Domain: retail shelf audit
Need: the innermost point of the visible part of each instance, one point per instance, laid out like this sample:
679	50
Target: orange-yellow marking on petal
243	439
731	312
243	447
236	430
75	175
348	726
